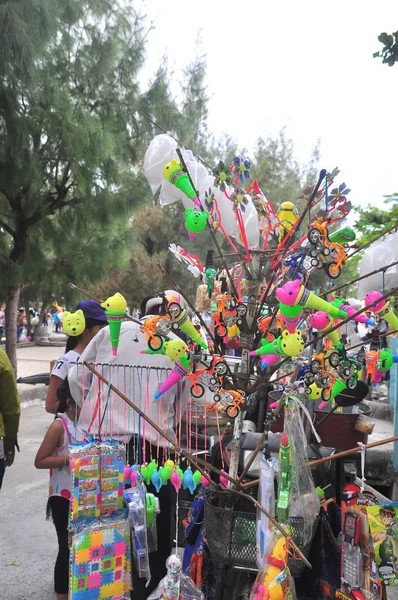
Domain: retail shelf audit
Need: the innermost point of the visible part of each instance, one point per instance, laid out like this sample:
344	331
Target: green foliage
389	52
278	172
373	220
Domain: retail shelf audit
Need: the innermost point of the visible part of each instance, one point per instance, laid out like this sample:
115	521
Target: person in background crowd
95	320
365	330
20	323
2	322
56	321
9	414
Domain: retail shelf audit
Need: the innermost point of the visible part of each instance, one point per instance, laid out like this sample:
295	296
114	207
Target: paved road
27	542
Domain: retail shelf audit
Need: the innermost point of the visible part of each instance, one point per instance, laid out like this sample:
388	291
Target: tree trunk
13	292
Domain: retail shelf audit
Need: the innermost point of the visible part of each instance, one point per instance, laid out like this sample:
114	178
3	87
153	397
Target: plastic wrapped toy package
135	499
274	581
176	585
97	471
383	523
297	502
100	562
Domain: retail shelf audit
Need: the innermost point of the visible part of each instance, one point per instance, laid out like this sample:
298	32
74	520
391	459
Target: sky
305	65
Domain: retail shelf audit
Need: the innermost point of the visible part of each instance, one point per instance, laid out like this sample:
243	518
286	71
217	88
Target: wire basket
231	532
295	528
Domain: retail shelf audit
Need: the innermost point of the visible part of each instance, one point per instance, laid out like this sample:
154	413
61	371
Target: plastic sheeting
162	150
378	255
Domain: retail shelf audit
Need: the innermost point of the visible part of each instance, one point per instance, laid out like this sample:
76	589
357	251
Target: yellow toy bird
287	216
115	304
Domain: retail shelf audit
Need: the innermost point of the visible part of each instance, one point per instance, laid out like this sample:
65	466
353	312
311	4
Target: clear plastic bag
303	502
135	498
266	497
274	581
176	585
152	510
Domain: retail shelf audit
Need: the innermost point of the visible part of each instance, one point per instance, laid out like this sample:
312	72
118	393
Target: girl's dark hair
73	340
63	395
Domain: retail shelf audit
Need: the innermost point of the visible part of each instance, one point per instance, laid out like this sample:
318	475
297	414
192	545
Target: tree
278	172
70	131
373	220
389	52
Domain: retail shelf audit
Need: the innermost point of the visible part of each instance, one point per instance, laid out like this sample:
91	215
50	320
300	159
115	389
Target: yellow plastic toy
175	349
116	304
74	323
115	308
287	216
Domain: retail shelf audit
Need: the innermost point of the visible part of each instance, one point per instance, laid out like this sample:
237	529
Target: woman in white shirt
95	320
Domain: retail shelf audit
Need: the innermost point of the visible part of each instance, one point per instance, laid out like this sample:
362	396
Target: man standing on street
9	414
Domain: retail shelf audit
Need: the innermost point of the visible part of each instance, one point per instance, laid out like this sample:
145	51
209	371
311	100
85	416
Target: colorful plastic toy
382	308
175	175
195	221
322	322
287	216
181	369
326	254
342	304
73	323
287	344
115	308
295	294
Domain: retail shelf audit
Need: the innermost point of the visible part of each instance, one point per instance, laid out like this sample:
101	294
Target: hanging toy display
343	305
287	344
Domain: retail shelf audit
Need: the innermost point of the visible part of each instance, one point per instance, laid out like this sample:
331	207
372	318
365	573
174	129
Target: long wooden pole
196	460
320	461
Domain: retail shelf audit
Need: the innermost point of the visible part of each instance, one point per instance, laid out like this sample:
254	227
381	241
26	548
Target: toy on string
180	370
115	309
222	177
210	273
175	174
174	349
73	324
342	304
321	321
